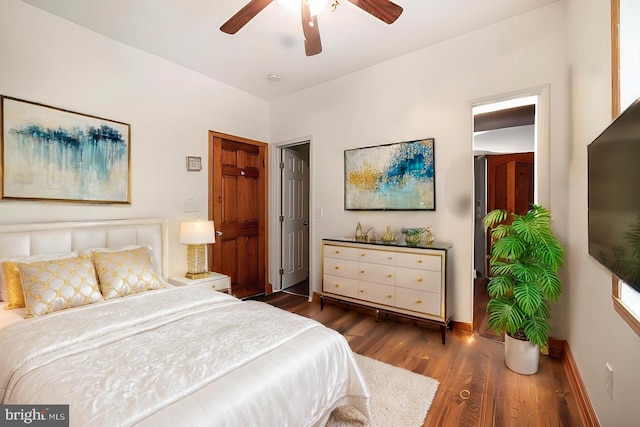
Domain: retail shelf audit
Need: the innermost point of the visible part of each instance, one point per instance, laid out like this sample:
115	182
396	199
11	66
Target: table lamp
196	235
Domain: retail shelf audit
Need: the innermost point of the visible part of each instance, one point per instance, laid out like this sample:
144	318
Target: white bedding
180	356
7	317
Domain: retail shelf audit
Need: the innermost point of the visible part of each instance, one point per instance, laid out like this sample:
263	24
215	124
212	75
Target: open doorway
504	149
294	219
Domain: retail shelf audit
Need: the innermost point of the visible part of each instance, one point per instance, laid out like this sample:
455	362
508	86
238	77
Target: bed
150	354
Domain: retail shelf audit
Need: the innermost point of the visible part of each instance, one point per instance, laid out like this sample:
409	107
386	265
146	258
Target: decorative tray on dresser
392	278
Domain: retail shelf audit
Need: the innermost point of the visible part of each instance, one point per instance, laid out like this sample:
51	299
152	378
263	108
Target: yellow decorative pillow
124	272
55	285
12	282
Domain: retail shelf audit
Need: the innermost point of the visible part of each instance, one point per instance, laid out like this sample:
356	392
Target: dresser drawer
419	280
377	293
421	261
341	267
423	302
340	285
340	252
376	257
377	273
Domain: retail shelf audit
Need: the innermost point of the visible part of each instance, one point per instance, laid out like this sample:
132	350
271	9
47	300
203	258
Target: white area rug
398	397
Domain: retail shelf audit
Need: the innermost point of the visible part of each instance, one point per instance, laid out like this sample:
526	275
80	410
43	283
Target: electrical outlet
609	380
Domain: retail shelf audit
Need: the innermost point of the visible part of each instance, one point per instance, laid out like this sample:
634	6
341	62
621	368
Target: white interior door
295	217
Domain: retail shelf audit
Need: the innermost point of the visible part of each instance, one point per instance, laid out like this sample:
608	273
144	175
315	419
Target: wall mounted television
614	196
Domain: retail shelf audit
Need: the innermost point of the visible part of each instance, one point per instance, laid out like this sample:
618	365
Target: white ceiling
187	32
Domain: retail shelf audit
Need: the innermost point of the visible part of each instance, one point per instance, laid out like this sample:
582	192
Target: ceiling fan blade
244	15
312	43
384	10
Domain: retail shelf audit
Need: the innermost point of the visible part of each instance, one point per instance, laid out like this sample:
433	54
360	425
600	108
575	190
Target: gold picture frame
49	153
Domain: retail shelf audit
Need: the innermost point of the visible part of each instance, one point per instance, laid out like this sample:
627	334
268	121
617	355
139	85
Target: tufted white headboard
18	240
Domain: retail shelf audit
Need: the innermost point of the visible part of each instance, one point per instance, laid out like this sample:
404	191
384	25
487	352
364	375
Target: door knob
219	233
305	222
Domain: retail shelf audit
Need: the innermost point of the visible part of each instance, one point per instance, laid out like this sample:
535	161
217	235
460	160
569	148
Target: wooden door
238	207
509	186
510	182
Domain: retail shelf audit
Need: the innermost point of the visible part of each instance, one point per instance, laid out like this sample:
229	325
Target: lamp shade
197	232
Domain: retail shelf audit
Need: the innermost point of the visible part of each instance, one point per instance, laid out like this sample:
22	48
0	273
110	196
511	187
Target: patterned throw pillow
58	284
124	272
12	282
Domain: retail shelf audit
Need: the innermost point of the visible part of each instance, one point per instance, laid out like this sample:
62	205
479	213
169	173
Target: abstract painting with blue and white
398	176
59	155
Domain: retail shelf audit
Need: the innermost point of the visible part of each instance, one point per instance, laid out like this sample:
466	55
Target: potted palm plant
525	258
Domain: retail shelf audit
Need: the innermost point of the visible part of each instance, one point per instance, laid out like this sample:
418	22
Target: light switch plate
191	205
609	380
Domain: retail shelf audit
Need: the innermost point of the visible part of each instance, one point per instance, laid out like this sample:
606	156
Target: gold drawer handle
419	261
362	271
337	252
389	296
421	280
390	258
337	267
362	254
362	291
419	301
390	276
337	285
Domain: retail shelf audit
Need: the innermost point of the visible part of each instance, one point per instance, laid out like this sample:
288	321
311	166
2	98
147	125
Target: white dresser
409	281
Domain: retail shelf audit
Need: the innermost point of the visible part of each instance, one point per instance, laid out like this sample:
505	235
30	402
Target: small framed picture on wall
194	163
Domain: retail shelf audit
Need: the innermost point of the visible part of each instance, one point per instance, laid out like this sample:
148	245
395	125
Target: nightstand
216	281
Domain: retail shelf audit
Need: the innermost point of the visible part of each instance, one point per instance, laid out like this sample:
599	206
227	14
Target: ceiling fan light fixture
384	10
316	6
273	77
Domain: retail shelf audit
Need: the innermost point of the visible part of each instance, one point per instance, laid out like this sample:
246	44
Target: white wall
429	93
170	109
596	334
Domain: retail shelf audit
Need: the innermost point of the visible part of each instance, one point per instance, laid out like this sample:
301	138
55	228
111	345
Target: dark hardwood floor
480	316
476	388
301	288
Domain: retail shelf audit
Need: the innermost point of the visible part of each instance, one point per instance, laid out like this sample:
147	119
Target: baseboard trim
556	348
316	297
588	414
462	326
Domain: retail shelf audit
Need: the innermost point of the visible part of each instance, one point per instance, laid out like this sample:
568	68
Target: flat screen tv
614	196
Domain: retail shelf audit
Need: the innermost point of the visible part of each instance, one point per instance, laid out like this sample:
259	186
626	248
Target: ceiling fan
384	10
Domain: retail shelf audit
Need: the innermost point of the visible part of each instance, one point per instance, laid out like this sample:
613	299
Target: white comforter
181	356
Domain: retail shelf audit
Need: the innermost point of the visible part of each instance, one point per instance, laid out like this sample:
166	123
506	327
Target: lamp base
196	262
194	276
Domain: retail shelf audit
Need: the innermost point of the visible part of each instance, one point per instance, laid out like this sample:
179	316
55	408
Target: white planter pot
520	356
